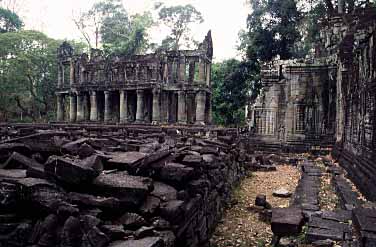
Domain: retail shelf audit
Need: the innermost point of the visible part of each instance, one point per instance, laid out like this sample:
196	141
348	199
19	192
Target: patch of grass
261	243
303	235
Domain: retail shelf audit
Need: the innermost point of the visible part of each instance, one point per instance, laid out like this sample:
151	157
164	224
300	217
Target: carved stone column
80	107
93	106
72	107
208	74
156	118
107	107
123	106
201	71
210	111
60	75
182	69
182	108
140	106
200	107
60	108
71	72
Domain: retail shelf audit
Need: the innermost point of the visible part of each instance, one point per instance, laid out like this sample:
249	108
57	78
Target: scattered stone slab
283	193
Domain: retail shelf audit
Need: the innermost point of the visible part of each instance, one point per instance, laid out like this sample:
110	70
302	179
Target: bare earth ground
241	226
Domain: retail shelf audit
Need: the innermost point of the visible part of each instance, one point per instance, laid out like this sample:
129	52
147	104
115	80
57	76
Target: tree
28	75
9	21
109	24
179	20
272	29
232	80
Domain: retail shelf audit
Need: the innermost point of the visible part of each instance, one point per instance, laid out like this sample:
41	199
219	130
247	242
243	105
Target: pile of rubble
140	188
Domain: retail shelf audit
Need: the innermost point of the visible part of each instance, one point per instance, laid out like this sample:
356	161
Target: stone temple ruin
166	87
85	183
327	99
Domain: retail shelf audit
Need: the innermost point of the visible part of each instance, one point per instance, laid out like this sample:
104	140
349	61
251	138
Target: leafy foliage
109	24
9	21
179	20
28	75
272	29
232	81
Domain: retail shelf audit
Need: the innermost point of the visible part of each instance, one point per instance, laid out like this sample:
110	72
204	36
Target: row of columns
77	109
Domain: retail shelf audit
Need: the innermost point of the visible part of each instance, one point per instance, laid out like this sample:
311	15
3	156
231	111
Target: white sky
224	17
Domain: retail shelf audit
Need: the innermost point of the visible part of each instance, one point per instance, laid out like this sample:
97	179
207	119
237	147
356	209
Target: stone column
208	74
201	71
182	108
80	107
107	107
182	69
200	107
156	118
341	6
60	75
60	108
93	106
210	112
123	106
140	106
72	107
71	72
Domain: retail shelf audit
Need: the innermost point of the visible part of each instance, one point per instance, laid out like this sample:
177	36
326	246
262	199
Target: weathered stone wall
297	103
116	186
356	97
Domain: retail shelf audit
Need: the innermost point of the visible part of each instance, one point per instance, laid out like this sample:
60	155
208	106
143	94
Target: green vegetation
179	20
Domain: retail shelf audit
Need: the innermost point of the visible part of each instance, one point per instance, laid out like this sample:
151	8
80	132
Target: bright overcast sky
224	17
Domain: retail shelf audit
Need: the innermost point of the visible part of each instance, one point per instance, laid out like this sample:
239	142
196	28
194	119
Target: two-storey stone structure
166	87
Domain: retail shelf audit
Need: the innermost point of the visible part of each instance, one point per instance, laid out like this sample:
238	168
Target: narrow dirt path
240	226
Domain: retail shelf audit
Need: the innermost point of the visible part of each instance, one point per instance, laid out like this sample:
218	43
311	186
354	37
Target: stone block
286	221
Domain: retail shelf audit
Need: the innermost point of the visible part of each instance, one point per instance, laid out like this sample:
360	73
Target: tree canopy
232	80
108	24
179	20
9	21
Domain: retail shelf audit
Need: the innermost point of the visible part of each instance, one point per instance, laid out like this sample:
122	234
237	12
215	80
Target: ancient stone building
329	97
166	87
297	102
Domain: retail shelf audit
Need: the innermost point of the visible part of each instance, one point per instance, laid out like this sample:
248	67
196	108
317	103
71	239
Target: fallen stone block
69	172
114	232
283	193
286	221
176	173
19	161
131	221
164	192
125	160
74	146
14	173
145	242
314	234
173	211
104	203
130	190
